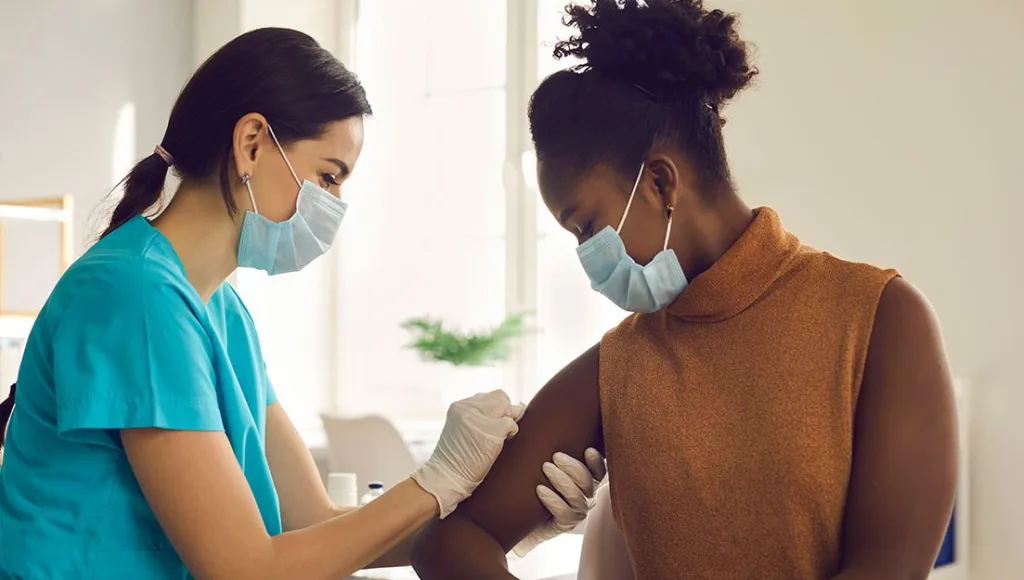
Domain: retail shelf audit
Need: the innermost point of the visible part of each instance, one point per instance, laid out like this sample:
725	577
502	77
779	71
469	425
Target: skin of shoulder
905	462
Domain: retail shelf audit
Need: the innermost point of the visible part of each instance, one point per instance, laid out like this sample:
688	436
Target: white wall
71	74
893	132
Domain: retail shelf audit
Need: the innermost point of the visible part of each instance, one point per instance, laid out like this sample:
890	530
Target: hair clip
644	91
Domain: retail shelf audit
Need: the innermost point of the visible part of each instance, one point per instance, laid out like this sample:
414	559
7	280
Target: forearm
349	542
398	556
459	548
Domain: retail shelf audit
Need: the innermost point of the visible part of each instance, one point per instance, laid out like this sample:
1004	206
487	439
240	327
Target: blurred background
888	132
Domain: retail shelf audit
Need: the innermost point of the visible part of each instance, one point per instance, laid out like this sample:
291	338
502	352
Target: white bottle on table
343	489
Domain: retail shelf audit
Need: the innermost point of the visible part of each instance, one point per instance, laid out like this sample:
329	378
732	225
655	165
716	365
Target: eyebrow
342	166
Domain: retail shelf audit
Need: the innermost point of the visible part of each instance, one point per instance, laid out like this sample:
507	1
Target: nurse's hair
6	408
283	74
653	72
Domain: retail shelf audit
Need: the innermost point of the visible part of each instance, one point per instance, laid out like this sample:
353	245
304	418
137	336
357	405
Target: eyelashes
329	179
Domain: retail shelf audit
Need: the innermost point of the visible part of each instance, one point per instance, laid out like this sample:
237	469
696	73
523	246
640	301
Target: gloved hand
473	436
577	484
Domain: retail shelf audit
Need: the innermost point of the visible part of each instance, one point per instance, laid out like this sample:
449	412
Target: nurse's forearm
396	557
345	544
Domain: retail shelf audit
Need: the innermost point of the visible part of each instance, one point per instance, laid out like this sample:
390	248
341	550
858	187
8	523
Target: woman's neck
204	235
708	230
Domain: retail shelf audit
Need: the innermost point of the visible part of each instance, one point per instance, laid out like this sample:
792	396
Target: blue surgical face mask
289	246
618	277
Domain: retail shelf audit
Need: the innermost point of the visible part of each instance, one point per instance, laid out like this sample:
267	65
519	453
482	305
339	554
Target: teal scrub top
124	341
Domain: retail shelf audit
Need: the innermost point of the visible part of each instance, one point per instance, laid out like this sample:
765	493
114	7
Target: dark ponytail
283	74
142	188
6	408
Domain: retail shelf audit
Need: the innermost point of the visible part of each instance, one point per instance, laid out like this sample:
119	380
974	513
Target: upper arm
304	501
905	442
196	489
564	416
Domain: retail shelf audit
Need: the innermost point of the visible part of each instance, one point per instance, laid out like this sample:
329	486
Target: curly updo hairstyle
654	72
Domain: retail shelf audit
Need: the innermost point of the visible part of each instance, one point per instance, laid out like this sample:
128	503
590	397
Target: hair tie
163	153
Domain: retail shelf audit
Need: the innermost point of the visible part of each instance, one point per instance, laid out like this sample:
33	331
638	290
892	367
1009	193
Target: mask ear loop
252	198
632	194
668	230
283	156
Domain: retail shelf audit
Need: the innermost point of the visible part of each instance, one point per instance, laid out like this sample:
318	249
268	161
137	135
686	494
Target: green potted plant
440	343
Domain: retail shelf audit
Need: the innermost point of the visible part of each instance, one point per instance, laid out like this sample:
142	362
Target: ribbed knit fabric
728	417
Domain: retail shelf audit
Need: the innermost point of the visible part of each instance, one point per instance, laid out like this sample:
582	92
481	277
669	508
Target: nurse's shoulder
130	271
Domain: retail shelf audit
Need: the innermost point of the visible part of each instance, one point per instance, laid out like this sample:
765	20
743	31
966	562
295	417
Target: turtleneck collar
742	275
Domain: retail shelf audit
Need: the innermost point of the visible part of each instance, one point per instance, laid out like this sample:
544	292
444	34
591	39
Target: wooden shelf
59	210
15	326
41	214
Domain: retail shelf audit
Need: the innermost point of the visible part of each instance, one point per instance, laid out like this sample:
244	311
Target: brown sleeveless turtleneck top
728	417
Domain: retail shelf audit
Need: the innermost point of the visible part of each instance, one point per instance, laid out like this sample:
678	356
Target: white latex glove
577	484
472	438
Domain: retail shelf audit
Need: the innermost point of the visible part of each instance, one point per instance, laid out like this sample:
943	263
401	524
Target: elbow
436	554
426	550
457	548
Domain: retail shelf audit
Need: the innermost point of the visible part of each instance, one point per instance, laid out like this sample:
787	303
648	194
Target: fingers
511	427
579	473
494	404
516	411
574	495
596	463
552	502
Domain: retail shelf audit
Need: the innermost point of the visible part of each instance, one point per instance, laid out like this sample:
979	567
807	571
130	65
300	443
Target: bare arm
304	501
202	500
905	445
472	543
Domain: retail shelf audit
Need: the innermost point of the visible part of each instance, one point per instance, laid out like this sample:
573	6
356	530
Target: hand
577	484
472	438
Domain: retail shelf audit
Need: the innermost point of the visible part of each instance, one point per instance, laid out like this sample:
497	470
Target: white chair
370	447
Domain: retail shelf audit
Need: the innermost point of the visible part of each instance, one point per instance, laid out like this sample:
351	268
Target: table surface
556	559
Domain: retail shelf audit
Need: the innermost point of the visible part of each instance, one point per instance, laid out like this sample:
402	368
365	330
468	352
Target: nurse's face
327	161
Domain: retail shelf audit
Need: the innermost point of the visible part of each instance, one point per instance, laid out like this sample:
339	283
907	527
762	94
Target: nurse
147	441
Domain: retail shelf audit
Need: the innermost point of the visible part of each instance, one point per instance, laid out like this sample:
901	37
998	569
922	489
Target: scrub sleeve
134	356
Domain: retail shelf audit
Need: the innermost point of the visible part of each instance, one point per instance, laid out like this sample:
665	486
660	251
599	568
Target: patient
770	411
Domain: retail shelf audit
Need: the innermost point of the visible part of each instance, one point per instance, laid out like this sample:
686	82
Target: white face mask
289	246
617	276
